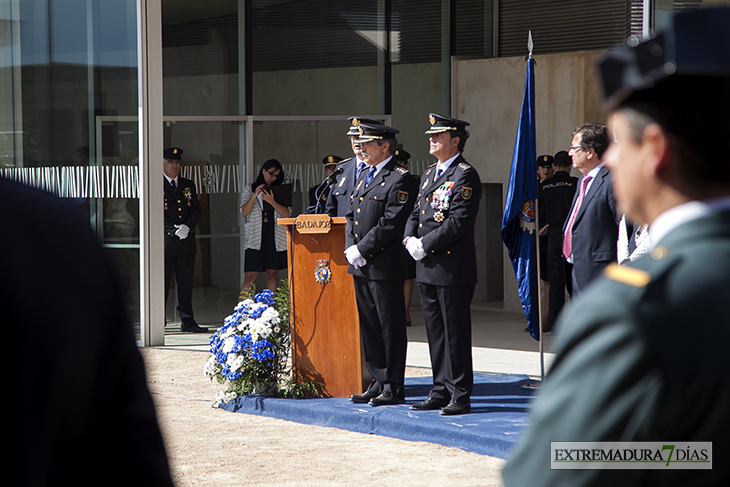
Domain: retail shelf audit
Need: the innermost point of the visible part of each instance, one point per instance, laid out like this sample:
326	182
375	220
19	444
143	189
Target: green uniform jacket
641	357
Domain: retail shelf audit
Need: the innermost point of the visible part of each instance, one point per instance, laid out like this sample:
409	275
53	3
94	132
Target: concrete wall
489	95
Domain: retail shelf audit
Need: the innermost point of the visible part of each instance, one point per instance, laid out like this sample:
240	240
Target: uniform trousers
446	310
184	266
555	276
383	331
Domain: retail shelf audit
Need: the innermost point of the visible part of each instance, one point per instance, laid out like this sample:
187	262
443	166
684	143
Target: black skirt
267	257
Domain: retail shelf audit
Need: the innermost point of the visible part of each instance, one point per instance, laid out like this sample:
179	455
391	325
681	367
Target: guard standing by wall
182	213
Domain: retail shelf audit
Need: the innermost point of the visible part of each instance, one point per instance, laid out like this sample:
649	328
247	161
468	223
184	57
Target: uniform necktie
439	172
371	175
360	167
174	184
568	237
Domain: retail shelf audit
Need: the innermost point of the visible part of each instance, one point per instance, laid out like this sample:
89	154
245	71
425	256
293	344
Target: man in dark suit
642	353
319	192
556	195
440	236
339	198
78	411
380	205
591	230
182	213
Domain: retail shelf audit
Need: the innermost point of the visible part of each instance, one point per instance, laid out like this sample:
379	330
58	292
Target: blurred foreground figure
642	353
78	411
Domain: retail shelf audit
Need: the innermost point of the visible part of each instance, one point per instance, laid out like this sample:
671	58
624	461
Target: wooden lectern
325	331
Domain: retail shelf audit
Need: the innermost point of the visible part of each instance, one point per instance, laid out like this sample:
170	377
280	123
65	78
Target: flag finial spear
530	45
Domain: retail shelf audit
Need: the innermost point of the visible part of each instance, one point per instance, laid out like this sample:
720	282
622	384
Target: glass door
214	155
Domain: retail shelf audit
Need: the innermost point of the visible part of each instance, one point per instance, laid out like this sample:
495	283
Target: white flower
234	362
225	397
228	344
211	366
271	315
245	302
245	326
228	333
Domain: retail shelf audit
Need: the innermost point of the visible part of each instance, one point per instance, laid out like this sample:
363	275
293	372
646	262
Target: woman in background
265	240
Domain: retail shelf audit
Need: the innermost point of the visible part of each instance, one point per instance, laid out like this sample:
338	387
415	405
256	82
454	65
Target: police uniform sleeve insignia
402	196
627	275
465	192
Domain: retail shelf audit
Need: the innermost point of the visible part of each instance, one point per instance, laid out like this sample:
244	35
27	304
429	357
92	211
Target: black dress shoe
387	398
192	327
455	408
364	397
429	404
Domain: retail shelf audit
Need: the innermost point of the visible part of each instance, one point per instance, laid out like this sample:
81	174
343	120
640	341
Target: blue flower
266	296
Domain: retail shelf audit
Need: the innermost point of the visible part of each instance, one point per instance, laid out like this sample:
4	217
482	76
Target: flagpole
519	222
539	293
540	341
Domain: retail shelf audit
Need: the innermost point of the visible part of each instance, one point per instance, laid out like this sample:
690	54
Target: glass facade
68	80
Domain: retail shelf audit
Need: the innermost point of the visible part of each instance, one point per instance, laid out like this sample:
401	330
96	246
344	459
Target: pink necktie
568	237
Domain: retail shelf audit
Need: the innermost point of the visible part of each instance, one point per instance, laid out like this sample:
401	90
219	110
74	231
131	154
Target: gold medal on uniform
438	216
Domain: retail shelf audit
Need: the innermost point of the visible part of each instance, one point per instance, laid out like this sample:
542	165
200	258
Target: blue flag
518	222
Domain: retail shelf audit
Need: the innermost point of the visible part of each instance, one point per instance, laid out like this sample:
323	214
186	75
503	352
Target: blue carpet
499	415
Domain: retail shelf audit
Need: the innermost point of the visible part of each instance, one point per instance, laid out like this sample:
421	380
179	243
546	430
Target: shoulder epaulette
429	167
464	166
627	275
401	170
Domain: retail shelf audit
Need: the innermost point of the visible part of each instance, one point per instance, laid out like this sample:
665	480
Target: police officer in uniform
182	213
339	198
379	208
440	236
319	192
642	353
556	195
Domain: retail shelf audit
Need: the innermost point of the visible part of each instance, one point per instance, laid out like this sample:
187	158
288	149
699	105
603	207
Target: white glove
353	256
415	248
182	231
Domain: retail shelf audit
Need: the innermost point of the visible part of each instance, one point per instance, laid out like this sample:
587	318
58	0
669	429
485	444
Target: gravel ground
211	447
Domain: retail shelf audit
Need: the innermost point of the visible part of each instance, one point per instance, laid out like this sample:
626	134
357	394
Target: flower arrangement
250	352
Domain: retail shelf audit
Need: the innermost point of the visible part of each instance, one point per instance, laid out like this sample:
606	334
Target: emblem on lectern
323	274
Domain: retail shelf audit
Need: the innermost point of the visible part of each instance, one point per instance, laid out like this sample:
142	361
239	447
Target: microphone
331	178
